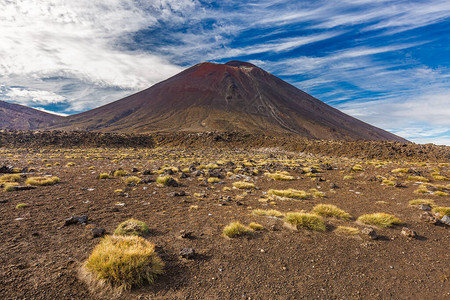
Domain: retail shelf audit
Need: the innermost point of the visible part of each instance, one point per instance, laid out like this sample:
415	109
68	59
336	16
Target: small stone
424	207
172	182
400	185
183	175
185	234
98	232
76	220
429	218
187	253
147	172
446	220
134	170
333	186
408	233
274	228
370	233
4	201
179	194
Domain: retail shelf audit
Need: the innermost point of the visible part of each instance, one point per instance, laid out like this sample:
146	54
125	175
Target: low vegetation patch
329	210
267	212
236	229
243	185
120	173
103	176
279	176
21	205
132	227
380	219
132	179
346	230
10	186
125	262
290	193
442	210
305	220
428	202
440	193
418	178
213	180
10	177
255	226
36	181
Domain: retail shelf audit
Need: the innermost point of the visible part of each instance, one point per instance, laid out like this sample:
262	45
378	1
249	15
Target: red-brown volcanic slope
225	97
19	117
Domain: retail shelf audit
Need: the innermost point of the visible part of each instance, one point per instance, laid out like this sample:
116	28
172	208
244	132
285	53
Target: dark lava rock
188	253
183	175
169	172
424	207
179	194
408	233
98	232
333	186
134	170
185	234
76	220
172	182
369	233
326	166
400	185
147	172
7	169
4	201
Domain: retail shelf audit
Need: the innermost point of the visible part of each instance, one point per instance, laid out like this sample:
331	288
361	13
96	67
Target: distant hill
15	116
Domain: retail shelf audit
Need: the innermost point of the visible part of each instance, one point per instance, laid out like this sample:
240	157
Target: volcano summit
236	96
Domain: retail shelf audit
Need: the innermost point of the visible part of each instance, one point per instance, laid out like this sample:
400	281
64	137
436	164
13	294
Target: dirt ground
40	258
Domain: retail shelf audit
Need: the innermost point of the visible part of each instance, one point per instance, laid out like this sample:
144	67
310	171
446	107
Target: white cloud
38	97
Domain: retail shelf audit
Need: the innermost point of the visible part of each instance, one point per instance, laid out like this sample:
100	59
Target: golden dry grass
10	186
10	178
132	179
132	227
429	202
120	173
418	178
267	212
380	219
255	226
442	210
37	181
103	176
279	176
329	210
213	180
290	193
236	229
243	185
125	261
346	230
305	220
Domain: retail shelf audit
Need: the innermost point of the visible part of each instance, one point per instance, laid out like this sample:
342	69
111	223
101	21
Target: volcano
236	96
19	117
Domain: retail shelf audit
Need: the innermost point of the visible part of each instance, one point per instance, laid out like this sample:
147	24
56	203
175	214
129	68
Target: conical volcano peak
237	63
235	96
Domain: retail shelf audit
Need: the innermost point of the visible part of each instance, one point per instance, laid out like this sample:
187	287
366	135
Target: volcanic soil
41	258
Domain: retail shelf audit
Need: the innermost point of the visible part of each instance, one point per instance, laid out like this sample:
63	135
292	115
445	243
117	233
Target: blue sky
384	62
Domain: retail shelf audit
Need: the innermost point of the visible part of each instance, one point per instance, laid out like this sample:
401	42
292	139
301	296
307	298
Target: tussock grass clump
70	164
279	176
10	186
442	210
164	180
428	202
290	193
236	229
132	179
388	182
267	212
255	226
120	173
329	210
346	230
440	193
418	178
10	177
125	261
213	180
348	177
305	220
439	177
357	168
21	205
132	227
401	170
42	180
103	176
243	185
380	219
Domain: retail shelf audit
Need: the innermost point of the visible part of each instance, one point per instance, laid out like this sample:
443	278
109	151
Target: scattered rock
179	194
424	207
187	253
183	175
408	233
370	233
172	182
76	220
98	232
7	169
169	172
4	201
274	228
400	185
134	170
147	172
429	218
185	234
333	186
446	220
